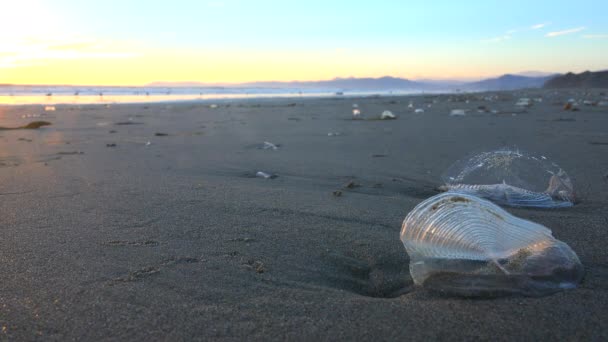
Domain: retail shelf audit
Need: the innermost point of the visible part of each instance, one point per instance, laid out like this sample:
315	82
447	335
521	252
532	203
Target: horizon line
228	84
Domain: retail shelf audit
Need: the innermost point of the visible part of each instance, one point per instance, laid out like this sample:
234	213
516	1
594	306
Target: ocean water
51	95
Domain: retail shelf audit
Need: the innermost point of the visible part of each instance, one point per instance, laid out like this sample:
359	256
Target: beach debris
589	103
463	245
337	193
269	146
126	123
355	105
213	106
30	116
49	108
387	115
524	102
265	175
255	265
157	134
511	177
410	105
356	113
111	145
31	125
379	155
36	125
351	185
148	143
419	110
334	134
603	104
568	106
69	153
457	112
564	119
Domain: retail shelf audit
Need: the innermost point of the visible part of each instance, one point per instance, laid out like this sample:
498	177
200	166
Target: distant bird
76	93
49	94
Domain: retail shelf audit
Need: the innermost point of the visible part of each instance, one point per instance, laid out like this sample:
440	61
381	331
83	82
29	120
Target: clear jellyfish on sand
269	146
457	112
463	245
265	175
387	115
524	102
513	178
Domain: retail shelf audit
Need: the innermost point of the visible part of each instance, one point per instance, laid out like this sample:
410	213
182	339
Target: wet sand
146	221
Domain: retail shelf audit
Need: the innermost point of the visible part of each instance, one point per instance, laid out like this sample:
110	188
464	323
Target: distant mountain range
508	82
505	82
381	83
586	79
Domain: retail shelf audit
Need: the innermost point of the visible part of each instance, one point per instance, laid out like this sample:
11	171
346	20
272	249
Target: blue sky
307	39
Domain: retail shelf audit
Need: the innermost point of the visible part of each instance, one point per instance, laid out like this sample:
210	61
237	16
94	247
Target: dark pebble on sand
351	185
124	123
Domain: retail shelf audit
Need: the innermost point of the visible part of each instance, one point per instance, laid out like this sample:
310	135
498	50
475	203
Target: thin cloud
595	36
565	32
497	39
538	26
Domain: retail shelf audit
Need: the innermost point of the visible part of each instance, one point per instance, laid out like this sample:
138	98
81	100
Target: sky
120	42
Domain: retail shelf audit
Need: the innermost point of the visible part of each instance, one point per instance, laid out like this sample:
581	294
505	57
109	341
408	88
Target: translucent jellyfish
387	115
513	178
463	245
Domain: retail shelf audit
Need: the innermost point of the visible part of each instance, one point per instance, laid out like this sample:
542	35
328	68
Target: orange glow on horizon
226	67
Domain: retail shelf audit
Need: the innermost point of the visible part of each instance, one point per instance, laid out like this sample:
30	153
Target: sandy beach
147	221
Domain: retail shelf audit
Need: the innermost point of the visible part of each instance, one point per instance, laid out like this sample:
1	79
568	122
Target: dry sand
178	240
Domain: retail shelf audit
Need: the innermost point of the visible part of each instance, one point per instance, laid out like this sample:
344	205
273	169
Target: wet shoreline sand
146	221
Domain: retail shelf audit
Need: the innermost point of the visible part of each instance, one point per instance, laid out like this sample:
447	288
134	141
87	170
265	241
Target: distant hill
533	73
505	82
586	79
386	82
337	83
508	82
